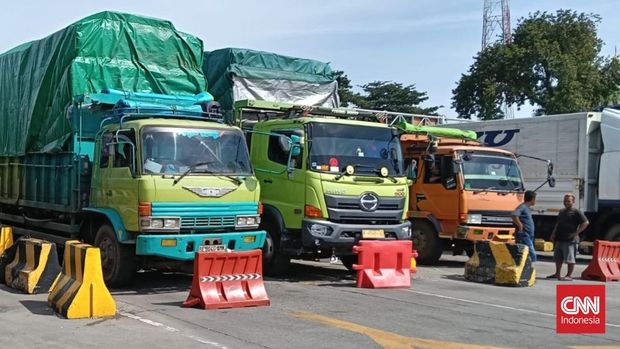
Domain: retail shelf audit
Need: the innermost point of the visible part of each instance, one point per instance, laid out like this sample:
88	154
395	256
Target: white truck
585	151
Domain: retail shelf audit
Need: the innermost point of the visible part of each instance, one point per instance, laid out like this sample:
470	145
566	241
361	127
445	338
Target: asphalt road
317	306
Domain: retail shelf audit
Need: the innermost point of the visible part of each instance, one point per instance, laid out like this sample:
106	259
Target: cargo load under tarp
437	131
39	79
235	74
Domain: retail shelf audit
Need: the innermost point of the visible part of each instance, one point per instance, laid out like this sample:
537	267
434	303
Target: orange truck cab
461	192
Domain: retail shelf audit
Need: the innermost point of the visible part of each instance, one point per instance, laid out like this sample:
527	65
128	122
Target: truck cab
328	179
166	177
461	193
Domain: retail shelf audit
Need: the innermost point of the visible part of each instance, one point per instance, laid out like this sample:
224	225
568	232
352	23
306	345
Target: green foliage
553	63
393	96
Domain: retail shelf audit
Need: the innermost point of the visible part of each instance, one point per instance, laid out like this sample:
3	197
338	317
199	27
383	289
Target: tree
345	93
393	96
553	62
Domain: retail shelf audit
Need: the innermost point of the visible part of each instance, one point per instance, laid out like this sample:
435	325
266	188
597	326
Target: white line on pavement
492	305
172	329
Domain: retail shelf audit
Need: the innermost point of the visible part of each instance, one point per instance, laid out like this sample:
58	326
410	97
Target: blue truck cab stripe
186	245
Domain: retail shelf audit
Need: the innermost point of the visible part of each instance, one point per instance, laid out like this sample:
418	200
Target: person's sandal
566	278
552	276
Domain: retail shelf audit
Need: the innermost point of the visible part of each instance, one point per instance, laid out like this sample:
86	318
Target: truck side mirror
550	178
429	161
456	166
296	145
285	143
412	170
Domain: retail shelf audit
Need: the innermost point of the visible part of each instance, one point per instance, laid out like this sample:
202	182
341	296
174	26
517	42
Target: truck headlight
157	223
247	221
171	223
319	230
160	224
474	219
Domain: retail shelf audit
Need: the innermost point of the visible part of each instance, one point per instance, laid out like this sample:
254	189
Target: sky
423	42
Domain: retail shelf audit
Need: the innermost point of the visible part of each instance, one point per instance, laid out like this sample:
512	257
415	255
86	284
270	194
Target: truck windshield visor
335	146
171	150
490	172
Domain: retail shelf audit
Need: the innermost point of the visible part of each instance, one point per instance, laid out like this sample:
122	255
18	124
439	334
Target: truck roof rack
122	115
266	110
119	106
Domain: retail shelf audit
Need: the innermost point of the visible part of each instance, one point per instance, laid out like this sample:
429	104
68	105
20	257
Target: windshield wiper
236	180
374	169
484	190
190	169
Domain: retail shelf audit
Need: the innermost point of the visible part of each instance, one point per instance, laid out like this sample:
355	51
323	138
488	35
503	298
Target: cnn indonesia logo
580	309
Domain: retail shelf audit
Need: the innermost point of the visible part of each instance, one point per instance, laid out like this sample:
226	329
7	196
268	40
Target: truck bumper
477	233
321	234
183	247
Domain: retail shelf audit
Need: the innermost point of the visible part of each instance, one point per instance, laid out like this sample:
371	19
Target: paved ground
317	307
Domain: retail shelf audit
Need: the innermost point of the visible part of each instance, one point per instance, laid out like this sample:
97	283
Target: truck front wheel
274	263
426	242
117	260
613	233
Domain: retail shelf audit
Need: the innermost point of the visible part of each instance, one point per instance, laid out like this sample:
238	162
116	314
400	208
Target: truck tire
426	242
613	233
348	261
117	260
274	263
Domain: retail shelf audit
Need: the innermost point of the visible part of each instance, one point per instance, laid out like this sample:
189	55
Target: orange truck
461	191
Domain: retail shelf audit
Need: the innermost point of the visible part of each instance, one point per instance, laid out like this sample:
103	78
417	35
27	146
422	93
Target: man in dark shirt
565	235
522	218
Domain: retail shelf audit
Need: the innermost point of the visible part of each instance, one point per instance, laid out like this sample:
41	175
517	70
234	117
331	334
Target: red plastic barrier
227	280
383	264
605	264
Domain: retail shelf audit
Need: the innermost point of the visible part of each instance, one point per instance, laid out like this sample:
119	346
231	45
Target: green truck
107	135
329	177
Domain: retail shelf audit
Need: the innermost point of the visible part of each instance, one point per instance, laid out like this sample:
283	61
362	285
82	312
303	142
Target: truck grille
347	209
207	222
503	218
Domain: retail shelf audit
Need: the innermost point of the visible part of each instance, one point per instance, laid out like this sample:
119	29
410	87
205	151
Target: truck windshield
486	171
173	150
368	149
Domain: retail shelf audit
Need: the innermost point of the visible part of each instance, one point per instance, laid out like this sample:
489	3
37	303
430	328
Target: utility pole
496	17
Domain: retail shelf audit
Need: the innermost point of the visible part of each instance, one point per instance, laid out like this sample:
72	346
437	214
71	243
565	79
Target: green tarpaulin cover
236	74
39	79
437	131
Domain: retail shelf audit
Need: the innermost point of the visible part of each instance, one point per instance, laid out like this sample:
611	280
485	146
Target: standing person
522	218
565	235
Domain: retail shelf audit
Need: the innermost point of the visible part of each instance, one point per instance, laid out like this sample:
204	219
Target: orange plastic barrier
227	280
383	264
605	264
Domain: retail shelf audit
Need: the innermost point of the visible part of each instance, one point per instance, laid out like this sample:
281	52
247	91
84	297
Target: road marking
172	329
387	340
492	305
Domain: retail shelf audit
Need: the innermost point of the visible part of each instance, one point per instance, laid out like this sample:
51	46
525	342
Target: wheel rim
108	251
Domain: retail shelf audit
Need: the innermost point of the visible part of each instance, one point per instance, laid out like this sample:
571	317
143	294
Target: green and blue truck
107	135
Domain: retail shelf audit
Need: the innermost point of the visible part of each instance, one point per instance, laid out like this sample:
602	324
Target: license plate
211	248
373	234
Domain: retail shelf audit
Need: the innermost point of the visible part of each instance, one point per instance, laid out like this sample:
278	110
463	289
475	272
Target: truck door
118	185
286	194
438	192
